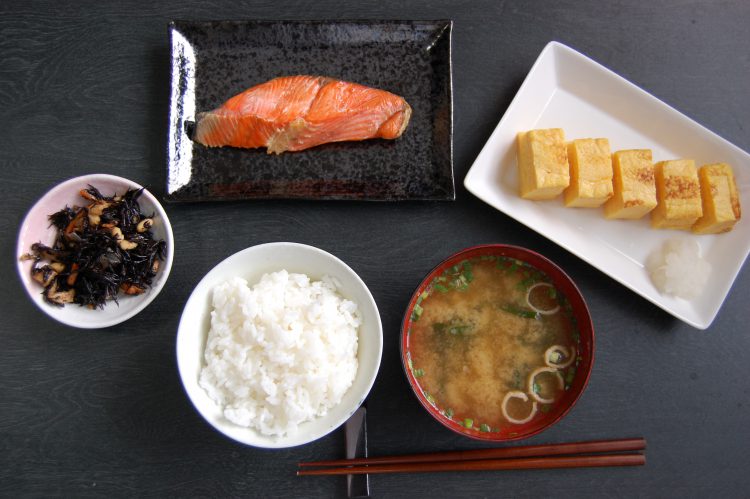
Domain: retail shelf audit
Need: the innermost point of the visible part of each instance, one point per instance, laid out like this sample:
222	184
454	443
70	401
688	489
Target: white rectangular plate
567	90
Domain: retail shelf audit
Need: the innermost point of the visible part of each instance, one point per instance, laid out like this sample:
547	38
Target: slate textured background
84	88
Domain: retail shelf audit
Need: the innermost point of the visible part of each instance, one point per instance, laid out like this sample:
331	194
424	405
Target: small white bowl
36	228
251	264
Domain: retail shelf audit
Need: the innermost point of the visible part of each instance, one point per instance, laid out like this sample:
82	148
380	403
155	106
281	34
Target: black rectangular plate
213	61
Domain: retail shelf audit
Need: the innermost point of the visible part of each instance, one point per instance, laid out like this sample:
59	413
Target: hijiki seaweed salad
100	250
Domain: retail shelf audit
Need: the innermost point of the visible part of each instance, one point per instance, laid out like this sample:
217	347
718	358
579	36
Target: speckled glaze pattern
213	61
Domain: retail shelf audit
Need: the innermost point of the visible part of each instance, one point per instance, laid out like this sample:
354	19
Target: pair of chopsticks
598	453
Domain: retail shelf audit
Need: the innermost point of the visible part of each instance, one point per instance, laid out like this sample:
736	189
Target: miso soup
492	343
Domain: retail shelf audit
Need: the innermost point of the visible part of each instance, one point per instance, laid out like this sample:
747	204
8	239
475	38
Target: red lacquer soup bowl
457	354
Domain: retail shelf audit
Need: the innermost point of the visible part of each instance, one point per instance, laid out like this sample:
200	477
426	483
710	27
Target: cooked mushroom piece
57	266
43	275
47	253
144	225
117	233
59	297
127	245
94	219
95	211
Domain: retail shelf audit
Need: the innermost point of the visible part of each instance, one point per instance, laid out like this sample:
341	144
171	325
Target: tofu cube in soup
721	202
634	189
678	193
590	173
542	163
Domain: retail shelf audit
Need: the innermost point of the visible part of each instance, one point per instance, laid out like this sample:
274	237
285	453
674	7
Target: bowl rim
186	378
583	325
147	298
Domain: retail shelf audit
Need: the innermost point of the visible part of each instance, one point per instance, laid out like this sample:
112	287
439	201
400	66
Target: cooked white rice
279	353
678	269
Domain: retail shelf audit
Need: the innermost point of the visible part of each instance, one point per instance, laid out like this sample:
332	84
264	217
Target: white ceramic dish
36	228
565	89
251	264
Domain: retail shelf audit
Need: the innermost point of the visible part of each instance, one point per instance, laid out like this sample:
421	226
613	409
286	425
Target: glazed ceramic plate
565	89
213	61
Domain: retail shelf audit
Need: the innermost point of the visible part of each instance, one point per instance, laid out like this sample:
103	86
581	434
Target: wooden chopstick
524	463
572	448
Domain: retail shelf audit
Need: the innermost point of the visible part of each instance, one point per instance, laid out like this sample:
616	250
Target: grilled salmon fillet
293	113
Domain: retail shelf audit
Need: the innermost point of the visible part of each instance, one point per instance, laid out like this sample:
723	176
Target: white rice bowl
281	352
251	264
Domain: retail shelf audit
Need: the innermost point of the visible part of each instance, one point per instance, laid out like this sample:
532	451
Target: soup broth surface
477	333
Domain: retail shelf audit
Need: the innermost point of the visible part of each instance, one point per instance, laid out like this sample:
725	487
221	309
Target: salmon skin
292	113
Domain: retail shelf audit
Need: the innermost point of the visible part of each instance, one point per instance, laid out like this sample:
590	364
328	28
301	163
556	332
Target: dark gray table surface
84	88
